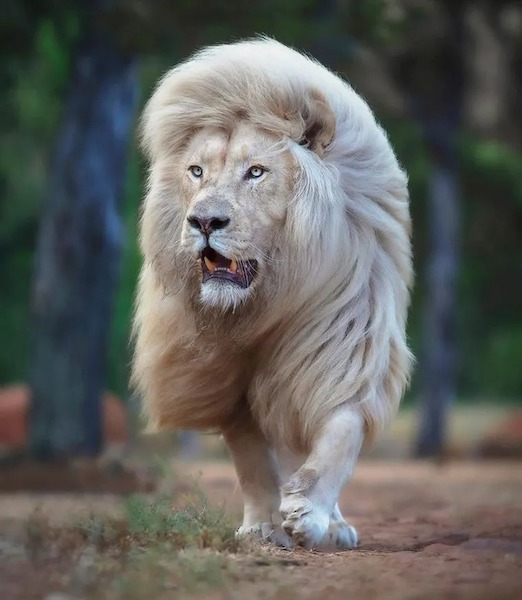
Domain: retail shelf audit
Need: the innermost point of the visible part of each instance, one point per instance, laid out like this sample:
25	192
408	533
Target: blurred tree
79	243
433	78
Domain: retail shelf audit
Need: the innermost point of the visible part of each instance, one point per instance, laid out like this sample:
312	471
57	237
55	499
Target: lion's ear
319	122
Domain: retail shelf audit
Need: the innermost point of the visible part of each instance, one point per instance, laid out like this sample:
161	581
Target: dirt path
426	532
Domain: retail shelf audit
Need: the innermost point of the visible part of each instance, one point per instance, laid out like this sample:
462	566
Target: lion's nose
207	224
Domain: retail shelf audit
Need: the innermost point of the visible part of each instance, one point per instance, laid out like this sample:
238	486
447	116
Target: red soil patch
14	418
505	440
20	473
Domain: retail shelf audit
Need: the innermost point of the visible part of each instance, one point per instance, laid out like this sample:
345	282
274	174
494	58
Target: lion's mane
332	329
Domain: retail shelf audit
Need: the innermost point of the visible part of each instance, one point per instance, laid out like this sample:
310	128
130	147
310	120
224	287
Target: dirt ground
426	531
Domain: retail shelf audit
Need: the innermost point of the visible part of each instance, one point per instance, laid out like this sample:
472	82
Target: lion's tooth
210	265
233	266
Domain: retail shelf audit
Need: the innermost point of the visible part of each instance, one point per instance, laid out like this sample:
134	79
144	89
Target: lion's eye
255	172
196	171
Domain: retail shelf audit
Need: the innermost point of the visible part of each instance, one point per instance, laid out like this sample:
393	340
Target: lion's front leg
309	499
257	474
340	534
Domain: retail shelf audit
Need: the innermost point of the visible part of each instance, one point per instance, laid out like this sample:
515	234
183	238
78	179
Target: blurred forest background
445	79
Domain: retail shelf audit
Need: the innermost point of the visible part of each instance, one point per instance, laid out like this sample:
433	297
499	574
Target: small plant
160	547
193	524
36	531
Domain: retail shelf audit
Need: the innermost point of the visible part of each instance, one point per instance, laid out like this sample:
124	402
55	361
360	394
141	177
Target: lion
273	297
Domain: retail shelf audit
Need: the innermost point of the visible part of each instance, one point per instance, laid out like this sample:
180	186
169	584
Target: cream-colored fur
316	345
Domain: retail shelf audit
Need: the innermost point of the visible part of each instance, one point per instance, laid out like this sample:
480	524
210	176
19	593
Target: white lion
273	296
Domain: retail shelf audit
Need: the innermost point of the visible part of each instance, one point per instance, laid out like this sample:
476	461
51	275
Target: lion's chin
223	294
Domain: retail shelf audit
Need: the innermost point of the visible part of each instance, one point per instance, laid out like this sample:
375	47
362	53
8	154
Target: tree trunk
440	118
78	252
438	367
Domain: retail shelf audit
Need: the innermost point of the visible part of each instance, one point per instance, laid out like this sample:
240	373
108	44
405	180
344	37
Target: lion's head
230	168
234	190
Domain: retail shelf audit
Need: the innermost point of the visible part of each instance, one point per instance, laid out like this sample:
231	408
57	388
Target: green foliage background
490	288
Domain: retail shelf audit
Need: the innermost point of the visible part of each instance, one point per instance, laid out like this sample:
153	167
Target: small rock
436	549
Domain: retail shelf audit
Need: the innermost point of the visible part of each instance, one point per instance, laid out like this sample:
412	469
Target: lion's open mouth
215	266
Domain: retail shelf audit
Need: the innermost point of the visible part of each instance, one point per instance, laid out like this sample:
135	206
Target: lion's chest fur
223	374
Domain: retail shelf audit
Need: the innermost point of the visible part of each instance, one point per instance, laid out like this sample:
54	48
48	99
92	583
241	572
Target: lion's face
235	189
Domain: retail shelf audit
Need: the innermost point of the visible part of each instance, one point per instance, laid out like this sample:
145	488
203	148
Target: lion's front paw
340	536
265	532
304	522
